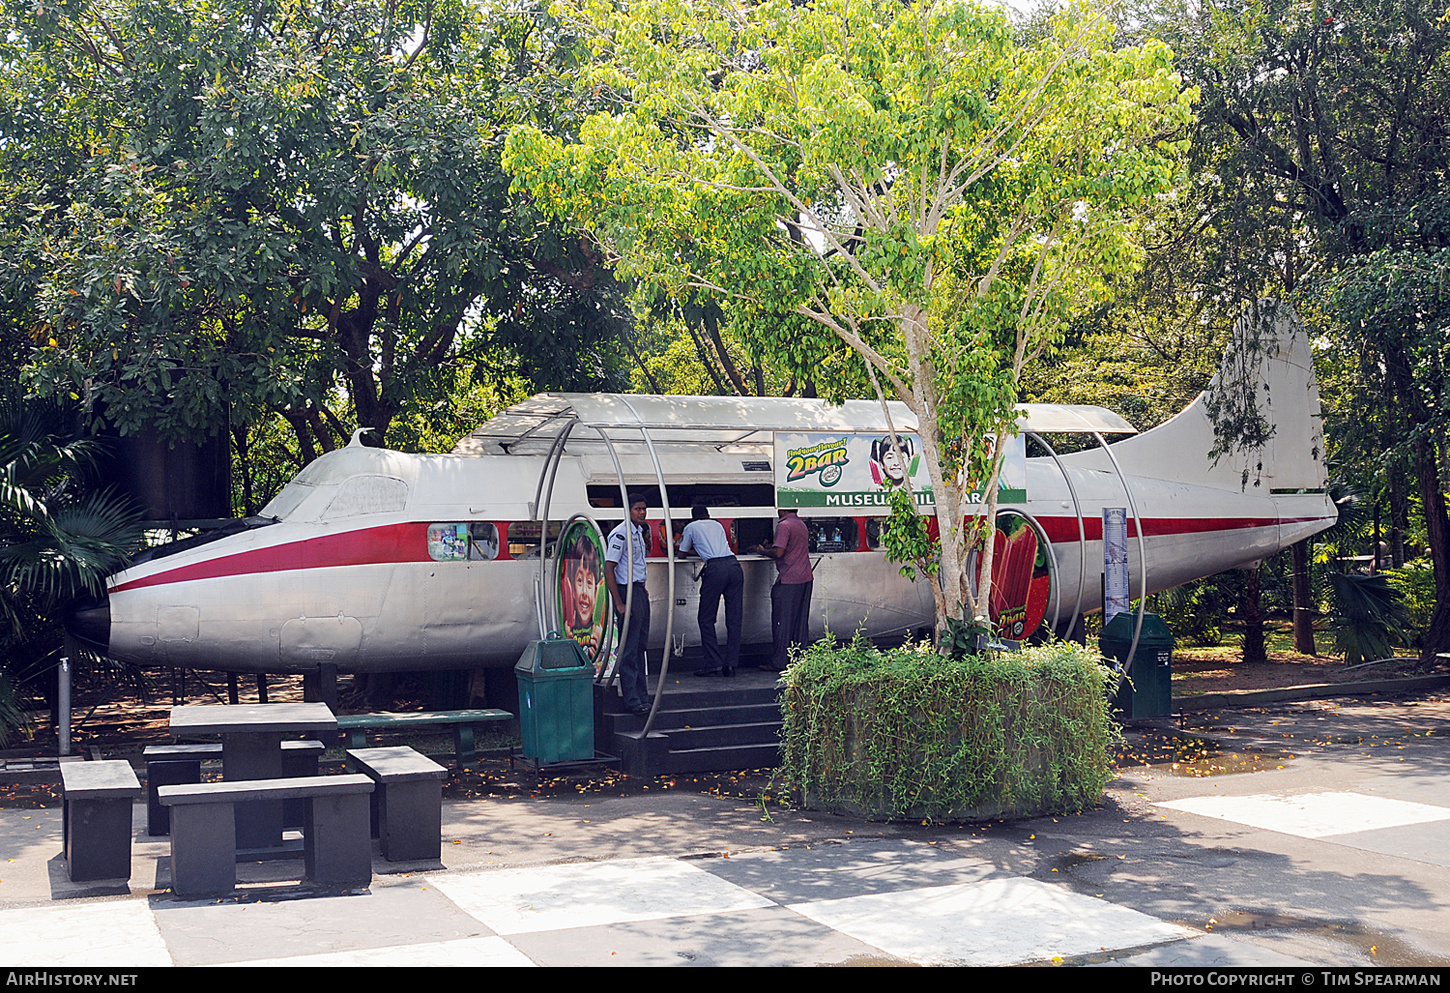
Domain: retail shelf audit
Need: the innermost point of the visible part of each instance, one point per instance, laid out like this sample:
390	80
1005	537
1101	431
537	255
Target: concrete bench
175	765
356	726
96	818
336	849
407	806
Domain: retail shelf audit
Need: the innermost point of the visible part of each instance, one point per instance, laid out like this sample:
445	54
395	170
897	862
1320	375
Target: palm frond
57	540
11	715
1369	616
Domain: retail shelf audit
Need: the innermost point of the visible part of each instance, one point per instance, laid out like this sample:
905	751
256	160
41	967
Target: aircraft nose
89	622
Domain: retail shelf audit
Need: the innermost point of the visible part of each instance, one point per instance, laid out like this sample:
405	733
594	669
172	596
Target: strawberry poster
1021	578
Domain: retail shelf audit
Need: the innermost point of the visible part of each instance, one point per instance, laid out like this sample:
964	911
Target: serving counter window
832	534
523	538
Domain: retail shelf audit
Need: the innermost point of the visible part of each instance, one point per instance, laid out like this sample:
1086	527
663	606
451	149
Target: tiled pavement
831	904
868	901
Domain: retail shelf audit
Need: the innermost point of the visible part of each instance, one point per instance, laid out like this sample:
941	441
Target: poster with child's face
582	592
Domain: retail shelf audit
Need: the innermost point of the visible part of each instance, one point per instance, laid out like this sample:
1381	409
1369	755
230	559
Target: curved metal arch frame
1051	561
1081	532
628	543
1142	550
556	453
669	565
541	511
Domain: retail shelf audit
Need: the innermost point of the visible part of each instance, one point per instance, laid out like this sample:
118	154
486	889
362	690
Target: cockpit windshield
344	483
288	500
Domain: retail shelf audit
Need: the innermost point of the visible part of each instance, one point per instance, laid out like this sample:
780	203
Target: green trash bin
1150	693
556	701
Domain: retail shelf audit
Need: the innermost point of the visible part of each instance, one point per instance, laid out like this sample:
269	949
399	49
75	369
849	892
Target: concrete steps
702	725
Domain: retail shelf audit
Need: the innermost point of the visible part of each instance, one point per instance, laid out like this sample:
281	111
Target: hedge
909	733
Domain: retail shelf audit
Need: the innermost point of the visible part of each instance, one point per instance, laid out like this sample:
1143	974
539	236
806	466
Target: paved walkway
1335	851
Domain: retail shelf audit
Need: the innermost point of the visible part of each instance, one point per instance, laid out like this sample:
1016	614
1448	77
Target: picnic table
252	750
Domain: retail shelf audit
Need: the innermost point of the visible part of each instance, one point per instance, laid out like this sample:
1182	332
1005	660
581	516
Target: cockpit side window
368	495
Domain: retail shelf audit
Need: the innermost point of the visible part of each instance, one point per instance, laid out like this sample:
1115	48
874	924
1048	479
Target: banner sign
1115	562
1012	483
857	472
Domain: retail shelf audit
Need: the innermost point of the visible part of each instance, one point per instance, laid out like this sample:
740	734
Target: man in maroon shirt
790	597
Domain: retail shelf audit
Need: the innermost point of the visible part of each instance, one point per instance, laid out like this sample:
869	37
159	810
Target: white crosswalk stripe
515	901
969	921
990	922
116	933
1312	815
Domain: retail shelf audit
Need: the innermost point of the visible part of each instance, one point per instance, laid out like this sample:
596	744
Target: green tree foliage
1323	143
59	538
265	206
904	196
1317	171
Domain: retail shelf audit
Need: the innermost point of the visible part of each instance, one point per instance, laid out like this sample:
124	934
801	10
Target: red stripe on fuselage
408	542
369	546
1064	529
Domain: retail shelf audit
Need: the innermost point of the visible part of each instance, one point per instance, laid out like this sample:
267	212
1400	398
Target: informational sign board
856	473
1115	562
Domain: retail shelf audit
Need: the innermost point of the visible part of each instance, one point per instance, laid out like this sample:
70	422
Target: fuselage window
448	542
475	541
523	538
483	543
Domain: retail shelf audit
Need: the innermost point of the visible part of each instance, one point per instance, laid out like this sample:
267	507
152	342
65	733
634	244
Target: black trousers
790	614
721	577
633	685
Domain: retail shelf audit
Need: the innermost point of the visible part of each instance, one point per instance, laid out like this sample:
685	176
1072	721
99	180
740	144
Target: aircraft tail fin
1257	428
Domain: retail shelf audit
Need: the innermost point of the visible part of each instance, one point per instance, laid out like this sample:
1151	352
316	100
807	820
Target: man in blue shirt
624	568
721	576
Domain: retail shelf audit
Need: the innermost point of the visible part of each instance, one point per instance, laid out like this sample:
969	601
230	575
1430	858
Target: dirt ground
111	709
1214	670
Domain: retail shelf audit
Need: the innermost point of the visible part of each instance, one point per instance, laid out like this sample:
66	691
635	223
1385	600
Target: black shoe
639	710
727	672
708	672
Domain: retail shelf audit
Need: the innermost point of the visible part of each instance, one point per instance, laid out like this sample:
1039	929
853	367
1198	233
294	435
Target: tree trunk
1399	516
1251	607
1303	599
244	465
1437	530
304	435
